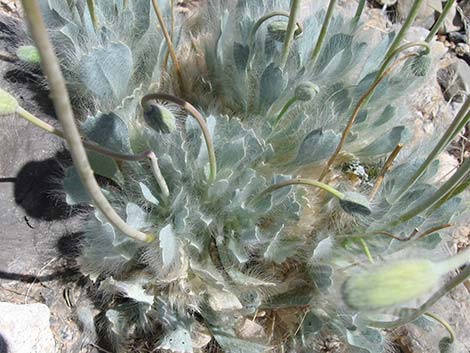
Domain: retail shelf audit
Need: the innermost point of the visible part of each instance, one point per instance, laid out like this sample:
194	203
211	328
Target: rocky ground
38	280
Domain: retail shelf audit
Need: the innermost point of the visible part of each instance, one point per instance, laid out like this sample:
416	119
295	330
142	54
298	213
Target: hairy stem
323	31
169	43
440	20
414	314
444	323
202	123
294	10
284	110
158	174
457	125
366	250
406	26
442	192
385	169
91	10
362	101
60	98
302	181
359	11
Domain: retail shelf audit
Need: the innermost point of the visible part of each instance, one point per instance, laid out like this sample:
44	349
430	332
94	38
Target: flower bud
446	345
159	118
8	104
352	202
278	29
28	54
390	284
420	65
305	91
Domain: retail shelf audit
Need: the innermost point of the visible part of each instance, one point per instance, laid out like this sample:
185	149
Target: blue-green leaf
169	245
317	146
147	194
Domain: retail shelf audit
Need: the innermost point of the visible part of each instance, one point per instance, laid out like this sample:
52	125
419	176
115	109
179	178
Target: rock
426	14
25	328
455	79
455	309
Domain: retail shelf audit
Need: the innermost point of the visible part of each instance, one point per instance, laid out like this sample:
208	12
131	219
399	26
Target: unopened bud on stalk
305	91
397	282
28	54
420	65
8	103
278	29
446	345
352	202
159	118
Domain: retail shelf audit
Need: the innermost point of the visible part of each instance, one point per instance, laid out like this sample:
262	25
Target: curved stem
444	323
169	43
457	125
284	110
359	11
357	110
202	123
302	181
294	10
323	31
414	314
257	25
406	26
60	98
440	20
158	174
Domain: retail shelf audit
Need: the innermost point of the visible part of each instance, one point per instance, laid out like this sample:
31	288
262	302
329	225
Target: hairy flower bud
159	118
352	202
28	54
8	104
305	91
278	29
420	65
390	284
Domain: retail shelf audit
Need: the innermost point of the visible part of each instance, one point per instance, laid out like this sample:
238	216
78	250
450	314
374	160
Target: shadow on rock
38	189
3	345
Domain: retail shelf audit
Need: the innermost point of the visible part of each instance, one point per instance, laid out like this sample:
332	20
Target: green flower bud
305	91
159	118
8	104
420	65
29	54
352	202
390	284
278	29
446	345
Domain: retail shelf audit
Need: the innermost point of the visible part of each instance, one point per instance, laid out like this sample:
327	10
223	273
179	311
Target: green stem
169	43
457	125
362	101
359	11
406	26
444	323
284	110
460	259
442	192
60	98
91	10
294	10
92	146
302	181
323	31
440	20
202	124
366	250
414	314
